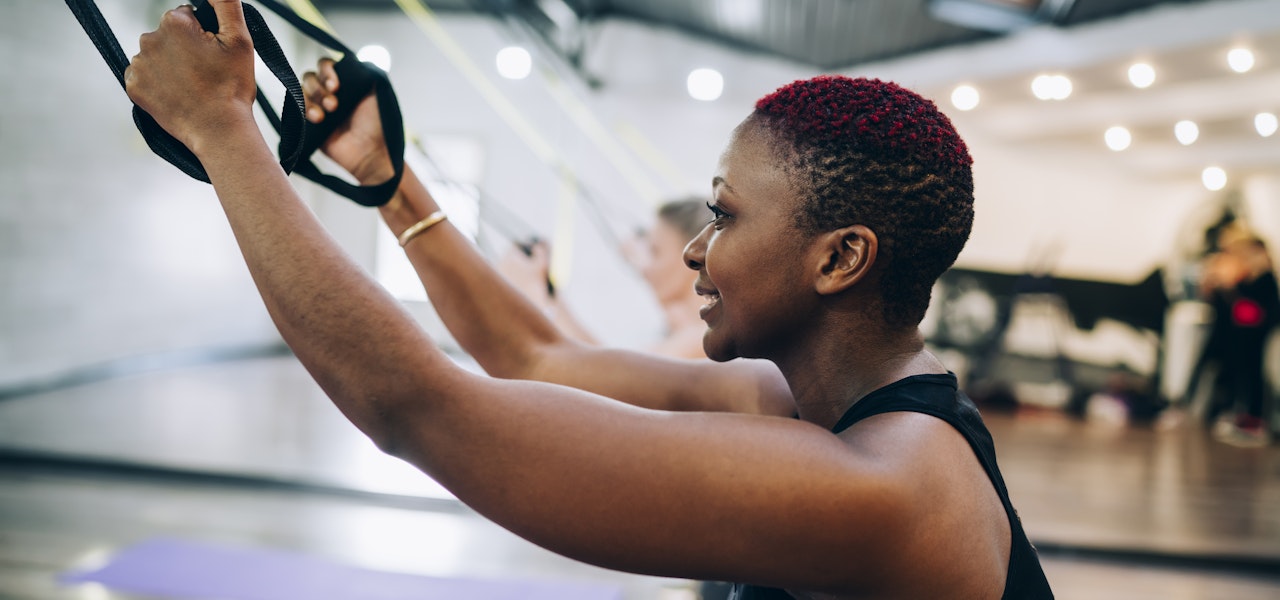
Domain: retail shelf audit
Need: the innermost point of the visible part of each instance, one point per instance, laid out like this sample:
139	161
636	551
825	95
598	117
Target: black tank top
939	396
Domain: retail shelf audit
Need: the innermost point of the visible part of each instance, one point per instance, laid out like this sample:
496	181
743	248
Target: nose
695	252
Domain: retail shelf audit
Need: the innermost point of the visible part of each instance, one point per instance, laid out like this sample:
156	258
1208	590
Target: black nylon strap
166	146
292	124
299	139
358	80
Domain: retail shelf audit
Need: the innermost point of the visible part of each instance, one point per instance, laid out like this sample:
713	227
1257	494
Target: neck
841	364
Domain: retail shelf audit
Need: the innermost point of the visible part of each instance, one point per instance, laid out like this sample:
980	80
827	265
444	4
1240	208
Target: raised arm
528	270
502	329
611	484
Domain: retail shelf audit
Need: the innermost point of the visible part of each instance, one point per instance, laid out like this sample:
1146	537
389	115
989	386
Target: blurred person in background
1239	284
657	254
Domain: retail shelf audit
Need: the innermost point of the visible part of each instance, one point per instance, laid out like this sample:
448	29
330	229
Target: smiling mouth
711	298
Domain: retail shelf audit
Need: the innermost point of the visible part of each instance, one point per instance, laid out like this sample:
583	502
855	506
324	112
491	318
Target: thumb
230	15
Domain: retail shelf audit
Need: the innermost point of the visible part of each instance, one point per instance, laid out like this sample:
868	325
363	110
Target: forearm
512	338
497	325
356	341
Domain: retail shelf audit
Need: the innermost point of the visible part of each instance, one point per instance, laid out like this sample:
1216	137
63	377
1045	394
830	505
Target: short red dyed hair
870	152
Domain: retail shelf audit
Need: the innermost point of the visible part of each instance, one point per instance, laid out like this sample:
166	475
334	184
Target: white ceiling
1186	44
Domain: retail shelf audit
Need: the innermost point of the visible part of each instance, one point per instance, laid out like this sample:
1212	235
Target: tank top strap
939	396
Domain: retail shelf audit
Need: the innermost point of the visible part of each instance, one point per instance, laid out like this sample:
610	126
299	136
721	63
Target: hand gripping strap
292	121
298	138
358	80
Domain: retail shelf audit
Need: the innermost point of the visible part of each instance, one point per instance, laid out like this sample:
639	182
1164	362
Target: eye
718	215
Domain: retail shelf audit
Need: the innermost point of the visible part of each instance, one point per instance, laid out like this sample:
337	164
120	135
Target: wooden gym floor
251	453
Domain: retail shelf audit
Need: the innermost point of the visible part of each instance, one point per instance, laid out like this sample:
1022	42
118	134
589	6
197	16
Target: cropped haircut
869	152
687	215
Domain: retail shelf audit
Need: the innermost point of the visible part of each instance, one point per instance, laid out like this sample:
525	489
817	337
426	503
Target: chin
718	350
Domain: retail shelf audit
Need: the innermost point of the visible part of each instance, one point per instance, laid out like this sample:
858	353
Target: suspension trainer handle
526	248
166	146
358	79
298	139
292	123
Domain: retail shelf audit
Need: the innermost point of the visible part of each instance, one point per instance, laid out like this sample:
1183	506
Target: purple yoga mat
171	568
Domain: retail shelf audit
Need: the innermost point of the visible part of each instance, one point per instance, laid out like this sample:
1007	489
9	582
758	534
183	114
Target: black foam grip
292	123
296	144
357	81
205	15
166	146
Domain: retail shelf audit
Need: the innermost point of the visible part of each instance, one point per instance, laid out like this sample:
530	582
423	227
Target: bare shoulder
952	503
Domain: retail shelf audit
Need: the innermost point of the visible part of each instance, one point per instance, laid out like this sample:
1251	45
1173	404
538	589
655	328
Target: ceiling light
1051	87
1187	132
1265	123
377	55
1214	178
965	97
1118	138
705	84
1240	59
1142	75
514	62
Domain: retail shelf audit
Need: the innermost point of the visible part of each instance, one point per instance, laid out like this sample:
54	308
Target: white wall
640	98
109	252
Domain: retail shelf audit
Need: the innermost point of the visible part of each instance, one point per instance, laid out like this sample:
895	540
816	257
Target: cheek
754	277
722	263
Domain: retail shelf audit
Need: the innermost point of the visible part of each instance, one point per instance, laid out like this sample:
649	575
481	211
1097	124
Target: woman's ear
847	256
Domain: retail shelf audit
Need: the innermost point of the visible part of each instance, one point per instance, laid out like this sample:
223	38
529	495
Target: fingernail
331	84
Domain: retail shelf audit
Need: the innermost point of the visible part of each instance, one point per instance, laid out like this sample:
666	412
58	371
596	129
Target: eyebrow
718	180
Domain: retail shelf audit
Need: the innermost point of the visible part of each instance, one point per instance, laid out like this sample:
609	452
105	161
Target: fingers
146	43
318	88
314	93
329	74
230	18
182	16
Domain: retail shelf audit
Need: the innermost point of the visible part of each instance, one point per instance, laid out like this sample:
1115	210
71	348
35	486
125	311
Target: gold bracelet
417	228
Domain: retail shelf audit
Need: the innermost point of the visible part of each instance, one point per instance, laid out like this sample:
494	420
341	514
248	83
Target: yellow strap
578	112
562	239
561	266
427	22
308	11
642	147
585	119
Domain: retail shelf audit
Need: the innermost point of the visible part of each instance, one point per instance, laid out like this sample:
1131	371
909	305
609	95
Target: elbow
385	431
404	422
530	359
387	423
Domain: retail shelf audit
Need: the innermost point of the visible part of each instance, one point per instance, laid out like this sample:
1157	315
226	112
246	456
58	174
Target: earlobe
849	255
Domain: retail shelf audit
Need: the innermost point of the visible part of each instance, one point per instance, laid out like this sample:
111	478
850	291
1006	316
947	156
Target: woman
657	255
900	500
1240	286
